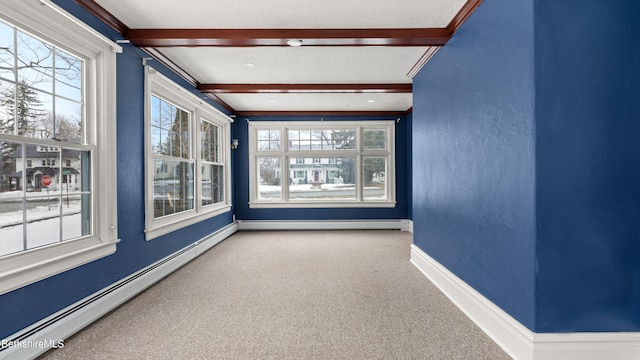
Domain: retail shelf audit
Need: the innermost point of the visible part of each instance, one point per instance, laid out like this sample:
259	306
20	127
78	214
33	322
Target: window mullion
196	141
284	149
60	196
359	176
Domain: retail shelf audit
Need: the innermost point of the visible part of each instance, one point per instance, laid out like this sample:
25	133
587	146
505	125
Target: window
322	164
187	154
57	106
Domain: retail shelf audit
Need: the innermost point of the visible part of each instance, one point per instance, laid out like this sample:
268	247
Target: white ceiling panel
336	58
297	65
318	102
264	14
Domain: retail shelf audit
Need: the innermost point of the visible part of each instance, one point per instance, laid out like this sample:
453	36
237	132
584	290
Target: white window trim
284	154
159	85
54	25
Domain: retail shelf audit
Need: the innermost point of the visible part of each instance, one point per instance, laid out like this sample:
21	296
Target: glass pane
10	169
43	220
374	170
185	136
68	73
170	129
7	106
212	184
11	224
321	139
36	118
167	114
173	187
34	109
156	140
76	205
210	142
7	52
345	139
375	139
269	140
35	63
322	179
67	125
75	212
270	181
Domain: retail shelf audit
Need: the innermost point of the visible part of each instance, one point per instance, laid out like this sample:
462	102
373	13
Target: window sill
50	260
178	223
322	204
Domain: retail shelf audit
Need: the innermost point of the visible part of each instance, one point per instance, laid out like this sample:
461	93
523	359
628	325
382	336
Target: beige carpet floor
289	295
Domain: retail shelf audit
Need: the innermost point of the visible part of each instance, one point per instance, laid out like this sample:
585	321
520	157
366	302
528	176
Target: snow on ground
43	226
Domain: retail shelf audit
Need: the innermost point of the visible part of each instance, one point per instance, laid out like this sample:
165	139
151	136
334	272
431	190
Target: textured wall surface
403	173
29	304
474	156
588	165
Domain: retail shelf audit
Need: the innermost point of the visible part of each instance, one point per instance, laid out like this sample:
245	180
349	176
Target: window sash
49	91
51	24
208	139
290	155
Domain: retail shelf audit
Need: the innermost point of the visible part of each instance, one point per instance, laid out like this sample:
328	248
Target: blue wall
588	165
473	156
22	307
531	160
401	211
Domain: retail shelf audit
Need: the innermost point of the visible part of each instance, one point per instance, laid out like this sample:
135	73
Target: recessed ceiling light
272	101
293	42
249	64
371	101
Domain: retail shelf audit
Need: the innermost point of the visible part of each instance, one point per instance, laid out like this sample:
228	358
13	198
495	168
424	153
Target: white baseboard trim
410	226
513	337
391	224
39	337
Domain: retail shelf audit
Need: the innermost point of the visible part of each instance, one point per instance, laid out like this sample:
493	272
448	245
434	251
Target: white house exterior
62	169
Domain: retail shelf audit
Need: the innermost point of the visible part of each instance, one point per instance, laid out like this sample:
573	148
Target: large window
57	143
187	147
322	164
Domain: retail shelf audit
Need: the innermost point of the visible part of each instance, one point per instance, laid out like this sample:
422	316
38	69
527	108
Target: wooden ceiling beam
304	88
279	37
347	113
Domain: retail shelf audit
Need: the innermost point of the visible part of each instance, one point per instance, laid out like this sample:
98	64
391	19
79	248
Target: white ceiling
294	65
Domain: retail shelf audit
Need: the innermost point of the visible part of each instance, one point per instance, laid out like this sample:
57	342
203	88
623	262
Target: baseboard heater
27	344
379	224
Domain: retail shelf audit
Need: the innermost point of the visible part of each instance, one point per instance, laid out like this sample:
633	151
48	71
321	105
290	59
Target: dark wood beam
467	9
102	14
279	37
318	113
160	57
304	88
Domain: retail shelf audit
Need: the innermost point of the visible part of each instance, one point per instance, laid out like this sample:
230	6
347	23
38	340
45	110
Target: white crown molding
513	337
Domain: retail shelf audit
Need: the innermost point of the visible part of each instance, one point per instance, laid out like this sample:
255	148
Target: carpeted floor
290	295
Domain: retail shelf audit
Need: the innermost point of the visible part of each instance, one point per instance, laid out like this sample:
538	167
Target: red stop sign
45	180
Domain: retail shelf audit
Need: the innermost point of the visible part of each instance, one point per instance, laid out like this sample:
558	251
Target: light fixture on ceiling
249	64
294	42
371	101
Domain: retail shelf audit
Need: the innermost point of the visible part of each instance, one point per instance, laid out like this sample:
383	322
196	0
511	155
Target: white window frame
284	154
54	25
160	86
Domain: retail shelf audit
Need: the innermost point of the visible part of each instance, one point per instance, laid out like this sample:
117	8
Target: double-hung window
57	143
187	157
322	164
